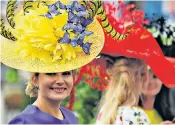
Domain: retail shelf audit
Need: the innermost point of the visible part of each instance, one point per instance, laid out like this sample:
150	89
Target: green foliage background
85	107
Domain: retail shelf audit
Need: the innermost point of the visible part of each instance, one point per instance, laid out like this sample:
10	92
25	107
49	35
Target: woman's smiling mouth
58	89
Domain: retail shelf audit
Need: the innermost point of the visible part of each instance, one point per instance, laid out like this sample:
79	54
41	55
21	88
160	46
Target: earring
35	88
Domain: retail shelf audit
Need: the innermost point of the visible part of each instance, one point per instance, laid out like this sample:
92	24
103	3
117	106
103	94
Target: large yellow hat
49	37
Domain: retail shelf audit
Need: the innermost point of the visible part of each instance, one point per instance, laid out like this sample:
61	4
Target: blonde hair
32	90
127	77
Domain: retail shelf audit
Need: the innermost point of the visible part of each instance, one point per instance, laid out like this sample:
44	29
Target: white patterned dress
131	115
127	115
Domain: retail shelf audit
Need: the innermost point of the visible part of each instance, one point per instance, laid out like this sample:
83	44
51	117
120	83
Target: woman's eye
154	77
66	73
51	74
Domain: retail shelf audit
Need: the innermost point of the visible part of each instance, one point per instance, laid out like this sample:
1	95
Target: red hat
141	44
138	44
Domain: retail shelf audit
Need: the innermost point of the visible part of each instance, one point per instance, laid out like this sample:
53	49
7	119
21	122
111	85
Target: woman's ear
34	80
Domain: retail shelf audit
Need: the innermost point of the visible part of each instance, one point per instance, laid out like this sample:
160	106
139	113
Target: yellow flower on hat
38	36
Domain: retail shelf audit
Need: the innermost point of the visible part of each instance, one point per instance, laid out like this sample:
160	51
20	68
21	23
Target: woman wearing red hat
157	99
125	62
128	76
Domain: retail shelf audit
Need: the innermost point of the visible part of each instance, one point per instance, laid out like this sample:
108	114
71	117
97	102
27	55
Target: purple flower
65	39
69	26
86	47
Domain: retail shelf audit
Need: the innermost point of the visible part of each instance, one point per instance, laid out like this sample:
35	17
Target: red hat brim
141	44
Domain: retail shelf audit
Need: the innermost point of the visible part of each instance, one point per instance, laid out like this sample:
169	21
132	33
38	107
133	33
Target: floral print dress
131	115
127	115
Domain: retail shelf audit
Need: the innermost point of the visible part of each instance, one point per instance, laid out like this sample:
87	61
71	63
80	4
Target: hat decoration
56	36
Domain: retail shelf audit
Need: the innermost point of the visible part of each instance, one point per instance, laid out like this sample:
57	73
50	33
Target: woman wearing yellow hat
50	40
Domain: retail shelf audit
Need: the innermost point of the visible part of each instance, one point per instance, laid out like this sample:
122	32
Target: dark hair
165	103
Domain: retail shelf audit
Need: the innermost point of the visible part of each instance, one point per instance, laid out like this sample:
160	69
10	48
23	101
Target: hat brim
141	44
11	58
163	69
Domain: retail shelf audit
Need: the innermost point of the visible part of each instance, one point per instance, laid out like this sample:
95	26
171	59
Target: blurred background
13	82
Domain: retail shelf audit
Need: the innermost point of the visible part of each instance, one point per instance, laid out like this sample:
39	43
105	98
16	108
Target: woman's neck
148	102
49	106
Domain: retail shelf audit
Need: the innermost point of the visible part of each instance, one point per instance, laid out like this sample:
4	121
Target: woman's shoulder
19	119
131	114
129	109
25	116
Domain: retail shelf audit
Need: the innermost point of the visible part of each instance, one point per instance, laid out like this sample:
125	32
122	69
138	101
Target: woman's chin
151	93
58	98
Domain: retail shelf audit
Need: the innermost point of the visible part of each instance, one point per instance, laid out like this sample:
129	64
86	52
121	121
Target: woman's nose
59	79
151	81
